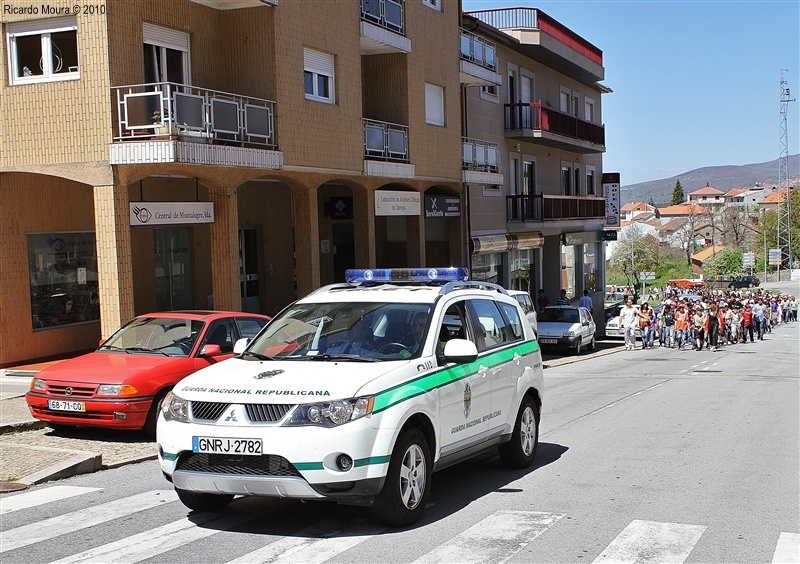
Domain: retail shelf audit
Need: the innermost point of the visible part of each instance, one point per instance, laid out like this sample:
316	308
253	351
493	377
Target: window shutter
52	25
165	37
318	62
434	104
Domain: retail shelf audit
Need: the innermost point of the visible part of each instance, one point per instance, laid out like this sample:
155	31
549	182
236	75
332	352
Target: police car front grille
207	410
265	465
261	413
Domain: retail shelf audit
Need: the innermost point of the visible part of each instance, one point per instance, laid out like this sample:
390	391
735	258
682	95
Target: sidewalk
32	453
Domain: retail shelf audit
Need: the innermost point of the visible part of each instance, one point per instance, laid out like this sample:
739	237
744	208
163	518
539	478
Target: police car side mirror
460	351
240	345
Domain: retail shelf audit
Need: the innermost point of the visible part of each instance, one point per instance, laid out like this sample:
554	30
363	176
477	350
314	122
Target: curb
84	463
22	426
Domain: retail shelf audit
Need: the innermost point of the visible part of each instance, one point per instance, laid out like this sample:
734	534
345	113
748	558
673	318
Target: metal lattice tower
785	209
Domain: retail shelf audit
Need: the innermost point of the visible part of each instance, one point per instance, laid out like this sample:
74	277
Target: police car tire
389	506
203	501
513	453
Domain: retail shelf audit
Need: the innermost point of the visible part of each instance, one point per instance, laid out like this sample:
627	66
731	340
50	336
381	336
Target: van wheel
203	501
520	451
405	491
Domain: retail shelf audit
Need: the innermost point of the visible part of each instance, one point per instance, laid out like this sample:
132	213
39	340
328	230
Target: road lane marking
497	538
645	542
48	529
788	549
165	538
318	543
41	497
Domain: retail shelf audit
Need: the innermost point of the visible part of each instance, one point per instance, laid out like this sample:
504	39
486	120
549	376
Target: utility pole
784	210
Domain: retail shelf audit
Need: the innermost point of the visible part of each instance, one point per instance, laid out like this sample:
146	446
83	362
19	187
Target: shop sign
340	207
582	238
611	194
442	206
171	213
388	202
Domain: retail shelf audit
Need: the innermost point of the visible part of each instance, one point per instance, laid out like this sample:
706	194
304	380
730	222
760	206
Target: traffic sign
775	256
647	275
748	260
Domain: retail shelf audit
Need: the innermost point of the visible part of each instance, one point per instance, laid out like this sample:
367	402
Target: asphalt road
645	456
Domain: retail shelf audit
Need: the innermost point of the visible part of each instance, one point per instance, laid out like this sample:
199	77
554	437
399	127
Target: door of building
173	268
248	269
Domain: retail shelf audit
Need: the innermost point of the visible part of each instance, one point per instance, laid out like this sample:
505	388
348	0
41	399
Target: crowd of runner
705	319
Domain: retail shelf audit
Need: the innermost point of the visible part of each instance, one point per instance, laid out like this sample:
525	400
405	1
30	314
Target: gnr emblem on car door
467	399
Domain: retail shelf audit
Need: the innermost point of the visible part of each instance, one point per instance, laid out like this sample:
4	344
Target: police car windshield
345	331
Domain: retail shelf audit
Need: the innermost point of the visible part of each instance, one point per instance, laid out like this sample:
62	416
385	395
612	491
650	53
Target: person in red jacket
747	323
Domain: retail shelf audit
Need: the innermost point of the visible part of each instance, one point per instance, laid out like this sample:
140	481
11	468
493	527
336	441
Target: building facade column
306	238
114	256
415	240
225	249
364	228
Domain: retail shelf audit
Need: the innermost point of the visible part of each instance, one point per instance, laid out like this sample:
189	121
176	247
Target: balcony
478	61
529	121
386	149
548	41
479	162
547	207
383	27
168	122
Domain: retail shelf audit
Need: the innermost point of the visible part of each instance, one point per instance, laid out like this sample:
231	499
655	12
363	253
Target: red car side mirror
210	350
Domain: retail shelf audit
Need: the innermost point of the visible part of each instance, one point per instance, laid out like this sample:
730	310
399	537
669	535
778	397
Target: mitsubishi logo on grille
231	416
68	391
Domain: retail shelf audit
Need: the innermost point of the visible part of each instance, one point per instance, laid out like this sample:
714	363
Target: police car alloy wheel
357	394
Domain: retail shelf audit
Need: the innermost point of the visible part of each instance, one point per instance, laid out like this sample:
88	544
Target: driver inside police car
358	340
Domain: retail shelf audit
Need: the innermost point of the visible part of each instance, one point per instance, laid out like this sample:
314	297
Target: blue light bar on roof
452	274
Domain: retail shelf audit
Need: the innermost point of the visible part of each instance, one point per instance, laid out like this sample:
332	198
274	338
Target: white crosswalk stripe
41	497
315	544
162	539
788	549
495	539
499	537
81	519
643	542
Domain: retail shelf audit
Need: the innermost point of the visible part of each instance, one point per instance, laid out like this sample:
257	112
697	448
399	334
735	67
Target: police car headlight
330	414
175	408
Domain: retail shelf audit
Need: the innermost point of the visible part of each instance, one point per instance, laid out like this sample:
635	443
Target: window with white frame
43	50
564	99
434	104
588	109
528	176
435	4
513	174
590	181
318	76
166	55
577	184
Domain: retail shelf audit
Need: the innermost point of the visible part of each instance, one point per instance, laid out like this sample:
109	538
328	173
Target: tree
727	262
636	252
678	197
688	233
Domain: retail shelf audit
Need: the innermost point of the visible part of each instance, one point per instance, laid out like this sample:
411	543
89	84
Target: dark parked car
745	282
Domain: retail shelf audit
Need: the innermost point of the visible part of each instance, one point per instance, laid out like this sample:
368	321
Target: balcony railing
532	18
166	110
532	116
385	141
547	207
478	50
479	155
388	14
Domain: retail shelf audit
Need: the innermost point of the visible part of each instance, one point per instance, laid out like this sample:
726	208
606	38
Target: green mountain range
723	178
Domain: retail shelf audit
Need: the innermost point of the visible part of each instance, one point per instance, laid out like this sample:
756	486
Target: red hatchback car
121	384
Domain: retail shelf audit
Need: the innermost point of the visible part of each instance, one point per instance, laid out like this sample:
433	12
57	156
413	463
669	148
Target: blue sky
695	83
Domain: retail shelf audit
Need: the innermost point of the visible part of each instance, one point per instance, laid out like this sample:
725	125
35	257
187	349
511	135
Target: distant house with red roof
638	211
707	196
681	210
699	258
772	201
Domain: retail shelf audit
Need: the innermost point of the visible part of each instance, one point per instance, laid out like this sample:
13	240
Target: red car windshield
168	336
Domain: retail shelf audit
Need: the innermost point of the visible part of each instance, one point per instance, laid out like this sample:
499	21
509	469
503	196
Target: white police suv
357	393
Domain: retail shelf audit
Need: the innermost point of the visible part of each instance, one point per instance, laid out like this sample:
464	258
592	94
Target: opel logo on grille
67	391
